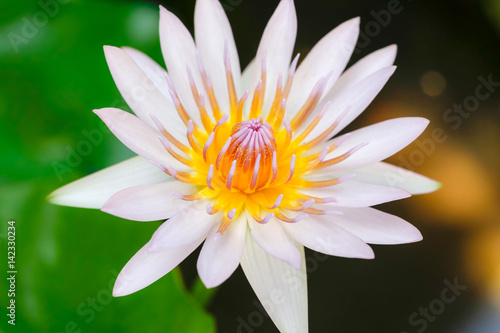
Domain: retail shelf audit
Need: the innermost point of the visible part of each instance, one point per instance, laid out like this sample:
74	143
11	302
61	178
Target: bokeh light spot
433	83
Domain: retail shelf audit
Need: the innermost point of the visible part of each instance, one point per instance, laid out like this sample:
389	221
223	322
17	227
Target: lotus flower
251	164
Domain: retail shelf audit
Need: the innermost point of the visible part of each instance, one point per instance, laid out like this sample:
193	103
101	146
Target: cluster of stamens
255	164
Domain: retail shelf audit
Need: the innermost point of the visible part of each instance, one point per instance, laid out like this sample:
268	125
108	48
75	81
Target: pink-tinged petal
179	53
140	90
281	289
145	267
329	56
272	239
376	227
221	254
94	190
355	98
384	139
138	137
155	72
386	174
277	44
319	234
370	64
183	228
149	202
356	194
212	32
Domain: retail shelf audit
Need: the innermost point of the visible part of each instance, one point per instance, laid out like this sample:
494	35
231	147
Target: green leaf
68	258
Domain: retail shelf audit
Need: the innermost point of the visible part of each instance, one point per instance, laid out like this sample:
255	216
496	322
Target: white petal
386	174
94	190
246	77
138	136
281	289
277	43
319	234
384	139
212	32
140	89
184	227
272	239
329	56
356	97
179	52
376	227
155	72
221	254
356	194
370	64
145	267
149	202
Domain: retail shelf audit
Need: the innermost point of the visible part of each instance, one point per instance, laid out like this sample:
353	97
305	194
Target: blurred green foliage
53	74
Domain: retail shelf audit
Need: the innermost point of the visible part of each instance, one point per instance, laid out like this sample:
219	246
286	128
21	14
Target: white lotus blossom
251	164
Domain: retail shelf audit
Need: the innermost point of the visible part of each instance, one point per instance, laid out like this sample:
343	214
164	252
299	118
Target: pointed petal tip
355	20
106	209
111	53
109	48
52	197
424	122
413	123
430	186
418	237
109	208
210	283
367	254
165	13
56	198
120	288
392	46
63	197
370	256
118	293
402	194
409	236
287	3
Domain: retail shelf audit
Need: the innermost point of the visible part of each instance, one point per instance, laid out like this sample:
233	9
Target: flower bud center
252	148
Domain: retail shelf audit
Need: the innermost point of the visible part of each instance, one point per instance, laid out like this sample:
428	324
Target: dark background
53	78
